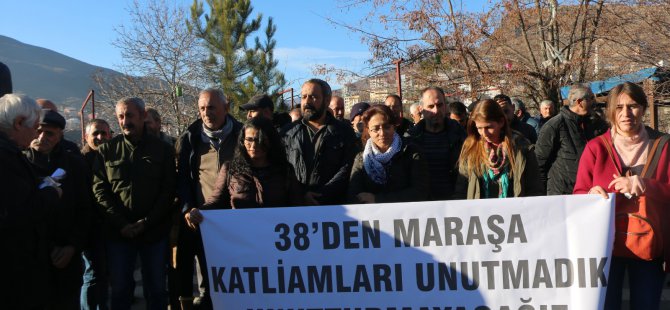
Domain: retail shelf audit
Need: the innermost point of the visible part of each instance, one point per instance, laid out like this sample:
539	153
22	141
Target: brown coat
269	187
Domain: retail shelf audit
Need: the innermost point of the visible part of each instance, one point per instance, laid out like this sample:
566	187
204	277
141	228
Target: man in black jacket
68	145
394	102
202	150
320	148
440	139
68	224
563	138
508	108
25	260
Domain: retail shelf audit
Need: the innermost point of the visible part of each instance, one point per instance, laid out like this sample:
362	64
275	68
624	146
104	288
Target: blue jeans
94	290
645	279
121	258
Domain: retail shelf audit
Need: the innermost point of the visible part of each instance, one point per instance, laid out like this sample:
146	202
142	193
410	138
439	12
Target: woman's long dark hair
268	138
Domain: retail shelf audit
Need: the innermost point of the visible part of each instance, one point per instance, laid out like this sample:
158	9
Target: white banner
545	252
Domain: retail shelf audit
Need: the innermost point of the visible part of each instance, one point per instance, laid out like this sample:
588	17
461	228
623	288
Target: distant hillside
42	73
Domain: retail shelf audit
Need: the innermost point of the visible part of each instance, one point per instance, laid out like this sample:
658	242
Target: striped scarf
498	169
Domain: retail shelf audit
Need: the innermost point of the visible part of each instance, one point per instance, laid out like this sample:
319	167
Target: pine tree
242	71
266	76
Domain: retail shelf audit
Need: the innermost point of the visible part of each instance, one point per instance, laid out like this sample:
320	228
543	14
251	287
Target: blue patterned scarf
374	160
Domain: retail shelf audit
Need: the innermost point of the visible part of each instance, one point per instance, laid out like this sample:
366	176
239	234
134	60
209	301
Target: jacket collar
7	144
567	113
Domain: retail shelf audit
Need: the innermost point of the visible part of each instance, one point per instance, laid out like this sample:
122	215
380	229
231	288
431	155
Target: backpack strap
610	151
654	156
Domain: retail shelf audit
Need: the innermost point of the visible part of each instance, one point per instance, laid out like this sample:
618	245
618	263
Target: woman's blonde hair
473	157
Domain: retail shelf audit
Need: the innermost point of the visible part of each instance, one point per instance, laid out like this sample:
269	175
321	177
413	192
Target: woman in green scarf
495	161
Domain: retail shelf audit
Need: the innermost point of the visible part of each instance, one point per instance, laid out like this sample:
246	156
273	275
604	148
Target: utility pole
397	76
286	91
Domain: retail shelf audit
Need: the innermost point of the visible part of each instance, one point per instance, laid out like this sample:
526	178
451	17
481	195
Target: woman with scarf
389	169
495	162
615	163
258	176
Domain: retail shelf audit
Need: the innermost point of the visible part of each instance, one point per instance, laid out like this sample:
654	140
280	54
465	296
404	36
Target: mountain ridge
43	73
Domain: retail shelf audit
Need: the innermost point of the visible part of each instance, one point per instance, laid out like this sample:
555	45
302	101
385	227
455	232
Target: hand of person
366	197
637	185
310	198
59	191
61	256
139	227
193	218
128	231
621	184
599	190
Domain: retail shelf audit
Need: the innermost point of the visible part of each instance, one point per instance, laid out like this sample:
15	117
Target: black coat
526	130
24	262
70	222
560	145
454	141
407	176
327	171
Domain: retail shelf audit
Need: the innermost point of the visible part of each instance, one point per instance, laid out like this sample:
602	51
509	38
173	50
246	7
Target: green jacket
133	182
525	175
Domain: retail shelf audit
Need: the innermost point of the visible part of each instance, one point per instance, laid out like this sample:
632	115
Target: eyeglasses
251	140
385	127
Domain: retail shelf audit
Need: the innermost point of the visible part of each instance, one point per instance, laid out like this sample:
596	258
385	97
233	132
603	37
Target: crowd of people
139	194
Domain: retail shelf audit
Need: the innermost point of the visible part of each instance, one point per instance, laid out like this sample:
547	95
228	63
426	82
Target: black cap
258	101
358	109
52	118
502	97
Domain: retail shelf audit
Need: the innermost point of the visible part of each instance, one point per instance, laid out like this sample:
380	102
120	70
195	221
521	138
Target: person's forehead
49	128
100	126
311	88
392	101
433	94
378	118
126	107
209	99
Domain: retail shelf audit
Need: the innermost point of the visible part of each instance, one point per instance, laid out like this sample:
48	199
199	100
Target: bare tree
161	60
528	47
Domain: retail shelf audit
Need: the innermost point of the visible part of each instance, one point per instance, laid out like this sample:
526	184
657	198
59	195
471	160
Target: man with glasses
563	138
